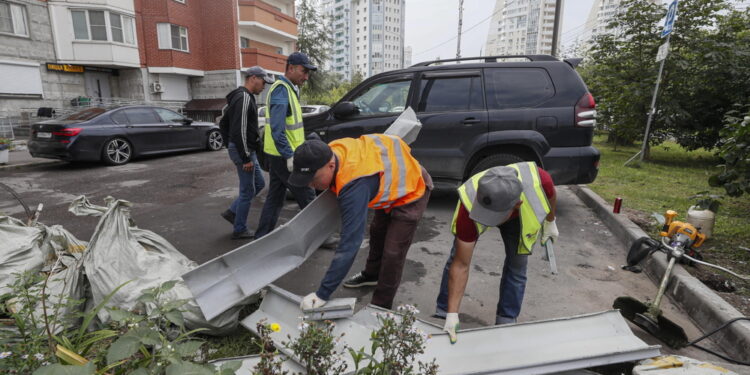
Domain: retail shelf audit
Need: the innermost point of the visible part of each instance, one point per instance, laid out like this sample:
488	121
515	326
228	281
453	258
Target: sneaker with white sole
359	280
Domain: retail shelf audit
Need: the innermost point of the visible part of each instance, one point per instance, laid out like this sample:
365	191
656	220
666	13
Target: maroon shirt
466	229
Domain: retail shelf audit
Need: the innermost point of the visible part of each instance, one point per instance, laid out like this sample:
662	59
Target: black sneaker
228	216
243	236
359	280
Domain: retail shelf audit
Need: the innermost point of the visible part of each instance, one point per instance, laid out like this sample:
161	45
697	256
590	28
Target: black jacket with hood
239	122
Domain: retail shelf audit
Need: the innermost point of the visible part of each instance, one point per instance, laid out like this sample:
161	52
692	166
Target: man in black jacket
240	121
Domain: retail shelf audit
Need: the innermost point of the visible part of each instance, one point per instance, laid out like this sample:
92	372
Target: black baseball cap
299	58
310	156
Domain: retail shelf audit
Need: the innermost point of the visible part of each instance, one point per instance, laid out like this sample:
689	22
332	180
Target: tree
314	38
708	69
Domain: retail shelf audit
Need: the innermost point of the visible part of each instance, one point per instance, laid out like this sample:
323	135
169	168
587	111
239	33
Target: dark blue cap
299	58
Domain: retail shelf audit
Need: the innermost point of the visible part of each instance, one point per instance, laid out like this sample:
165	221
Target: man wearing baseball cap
239	125
375	171
520	200
284	132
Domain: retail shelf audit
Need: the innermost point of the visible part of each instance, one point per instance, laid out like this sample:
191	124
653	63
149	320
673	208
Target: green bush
734	149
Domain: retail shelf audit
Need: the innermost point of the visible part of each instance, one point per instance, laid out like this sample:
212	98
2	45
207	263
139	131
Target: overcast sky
432	25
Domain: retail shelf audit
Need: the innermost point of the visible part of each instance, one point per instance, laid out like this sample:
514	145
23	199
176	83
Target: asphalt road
180	197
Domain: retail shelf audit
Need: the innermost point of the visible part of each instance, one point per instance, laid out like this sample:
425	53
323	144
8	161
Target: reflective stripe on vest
532	212
400	175
383	200
294	127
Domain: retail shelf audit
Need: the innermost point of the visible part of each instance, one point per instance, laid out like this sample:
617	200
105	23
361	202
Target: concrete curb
707	309
29	164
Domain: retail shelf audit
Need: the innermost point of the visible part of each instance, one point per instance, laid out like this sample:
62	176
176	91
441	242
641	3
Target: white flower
5	354
45	363
302	326
39	356
25	356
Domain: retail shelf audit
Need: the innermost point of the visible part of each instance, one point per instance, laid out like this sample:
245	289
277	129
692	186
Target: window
141	116
180	1
97	25
119	117
383	98
279	50
172	37
13	19
517	87
168	116
439	94
244	42
93	25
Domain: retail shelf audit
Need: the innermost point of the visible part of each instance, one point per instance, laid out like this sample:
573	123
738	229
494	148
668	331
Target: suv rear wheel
495	160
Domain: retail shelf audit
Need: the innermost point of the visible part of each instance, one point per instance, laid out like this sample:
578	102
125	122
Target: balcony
267	20
268	60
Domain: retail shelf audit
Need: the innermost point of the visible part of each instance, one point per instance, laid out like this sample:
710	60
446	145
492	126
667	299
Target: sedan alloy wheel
215	140
117	152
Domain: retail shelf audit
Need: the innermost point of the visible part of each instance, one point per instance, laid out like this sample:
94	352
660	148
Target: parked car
116	135
479	115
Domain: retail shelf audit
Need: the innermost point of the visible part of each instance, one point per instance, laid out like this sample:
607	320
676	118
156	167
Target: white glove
311	301
290	164
549	232
451	325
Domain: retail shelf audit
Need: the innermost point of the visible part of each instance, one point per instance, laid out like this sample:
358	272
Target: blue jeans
512	283
277	193
250	184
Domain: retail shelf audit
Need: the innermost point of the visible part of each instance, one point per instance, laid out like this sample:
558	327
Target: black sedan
117	135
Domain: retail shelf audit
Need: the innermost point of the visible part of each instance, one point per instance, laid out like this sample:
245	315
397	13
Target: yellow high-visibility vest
294	129
533	210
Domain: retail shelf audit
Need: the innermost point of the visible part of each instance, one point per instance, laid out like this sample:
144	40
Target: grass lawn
667	181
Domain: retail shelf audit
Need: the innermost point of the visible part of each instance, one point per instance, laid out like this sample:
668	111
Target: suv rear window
517	87
450	94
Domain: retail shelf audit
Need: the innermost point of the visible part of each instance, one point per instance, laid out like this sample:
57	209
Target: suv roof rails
490	59
573	62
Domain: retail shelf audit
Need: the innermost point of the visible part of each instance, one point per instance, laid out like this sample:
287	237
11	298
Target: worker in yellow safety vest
374	171
284	132
520	200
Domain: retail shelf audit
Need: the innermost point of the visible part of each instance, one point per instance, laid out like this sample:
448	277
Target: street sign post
660	56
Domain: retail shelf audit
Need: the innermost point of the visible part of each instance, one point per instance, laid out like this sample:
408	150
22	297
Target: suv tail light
68	132
585	114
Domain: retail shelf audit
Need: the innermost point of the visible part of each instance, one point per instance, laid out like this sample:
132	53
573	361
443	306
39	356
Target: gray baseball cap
498	192
259	72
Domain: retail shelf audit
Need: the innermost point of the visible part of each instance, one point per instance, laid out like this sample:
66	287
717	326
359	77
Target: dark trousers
278	176
512	282
390	238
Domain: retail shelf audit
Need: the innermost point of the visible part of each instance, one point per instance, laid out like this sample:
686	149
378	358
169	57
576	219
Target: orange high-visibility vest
401	179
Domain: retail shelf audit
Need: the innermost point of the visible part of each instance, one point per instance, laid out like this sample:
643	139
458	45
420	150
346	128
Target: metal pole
460	22
556	32
653	105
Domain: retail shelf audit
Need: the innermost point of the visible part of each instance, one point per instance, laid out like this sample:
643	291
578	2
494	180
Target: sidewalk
22	159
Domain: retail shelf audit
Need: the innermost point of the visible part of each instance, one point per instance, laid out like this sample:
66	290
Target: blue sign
669	22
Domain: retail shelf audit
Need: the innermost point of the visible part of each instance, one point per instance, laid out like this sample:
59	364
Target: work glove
451	325
311	301
549	232
290	164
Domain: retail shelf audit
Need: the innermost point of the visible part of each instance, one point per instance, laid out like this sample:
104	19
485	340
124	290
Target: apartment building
368	36
29	73
597	23
177	51
522	27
